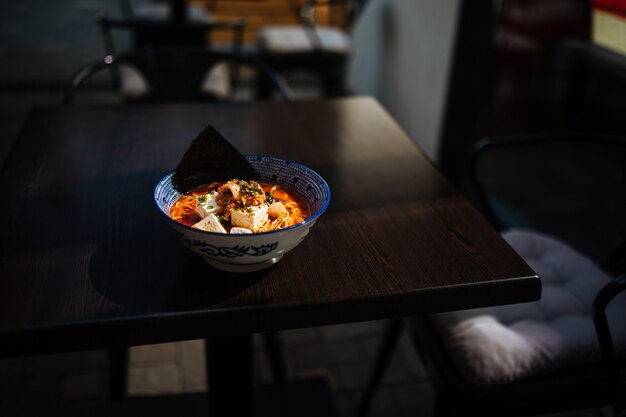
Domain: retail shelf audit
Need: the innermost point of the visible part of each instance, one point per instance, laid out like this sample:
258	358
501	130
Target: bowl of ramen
241	224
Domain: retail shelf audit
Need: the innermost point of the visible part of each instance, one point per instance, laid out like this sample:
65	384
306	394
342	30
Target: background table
86	262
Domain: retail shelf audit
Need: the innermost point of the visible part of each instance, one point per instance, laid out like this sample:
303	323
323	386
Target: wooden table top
86	261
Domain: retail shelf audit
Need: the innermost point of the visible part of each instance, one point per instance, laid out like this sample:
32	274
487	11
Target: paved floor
76	384
43	43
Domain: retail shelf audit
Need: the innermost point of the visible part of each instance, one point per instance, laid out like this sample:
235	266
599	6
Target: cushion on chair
216	82
161	11
498	345
293	39
132	82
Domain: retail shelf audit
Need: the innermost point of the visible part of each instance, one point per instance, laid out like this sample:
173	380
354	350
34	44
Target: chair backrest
166	34
151	33
539	357
164	10
572	186
177	74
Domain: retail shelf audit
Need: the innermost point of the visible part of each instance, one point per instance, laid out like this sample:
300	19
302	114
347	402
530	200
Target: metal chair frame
203	60
535	395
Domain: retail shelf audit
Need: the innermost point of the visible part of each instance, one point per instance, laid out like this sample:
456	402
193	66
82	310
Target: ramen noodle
239	207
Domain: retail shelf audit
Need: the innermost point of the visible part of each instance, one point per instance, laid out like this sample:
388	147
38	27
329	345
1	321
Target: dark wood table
87	263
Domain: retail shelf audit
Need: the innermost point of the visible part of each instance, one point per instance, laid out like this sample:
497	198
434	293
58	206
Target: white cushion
132	82
216	82
290	39
497	345
161	11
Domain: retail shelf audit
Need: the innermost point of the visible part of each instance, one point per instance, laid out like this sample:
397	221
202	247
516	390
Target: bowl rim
312	218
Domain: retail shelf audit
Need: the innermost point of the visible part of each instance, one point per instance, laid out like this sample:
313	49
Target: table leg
118	370
277	356
230	377
178	10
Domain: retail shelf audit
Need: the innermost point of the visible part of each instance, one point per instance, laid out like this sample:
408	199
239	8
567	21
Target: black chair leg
118	367
390	340
335	84
444	406
277	357
263	89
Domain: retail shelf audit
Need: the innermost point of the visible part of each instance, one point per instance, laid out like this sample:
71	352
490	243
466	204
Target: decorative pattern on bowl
227	252
250	252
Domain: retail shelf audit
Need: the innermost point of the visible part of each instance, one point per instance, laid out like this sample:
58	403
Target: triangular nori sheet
210	157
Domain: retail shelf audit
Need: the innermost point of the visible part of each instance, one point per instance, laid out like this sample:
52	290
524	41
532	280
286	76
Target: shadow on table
184	282
140	263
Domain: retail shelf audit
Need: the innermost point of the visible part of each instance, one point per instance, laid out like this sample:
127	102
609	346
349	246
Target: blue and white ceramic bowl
252	252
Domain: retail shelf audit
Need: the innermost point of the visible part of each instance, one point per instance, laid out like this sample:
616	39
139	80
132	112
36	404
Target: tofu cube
251	218
210	224
206	204
239	231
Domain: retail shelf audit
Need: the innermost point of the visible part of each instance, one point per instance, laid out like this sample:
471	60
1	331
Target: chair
558	353
155	26
321	50
150	35
175	74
